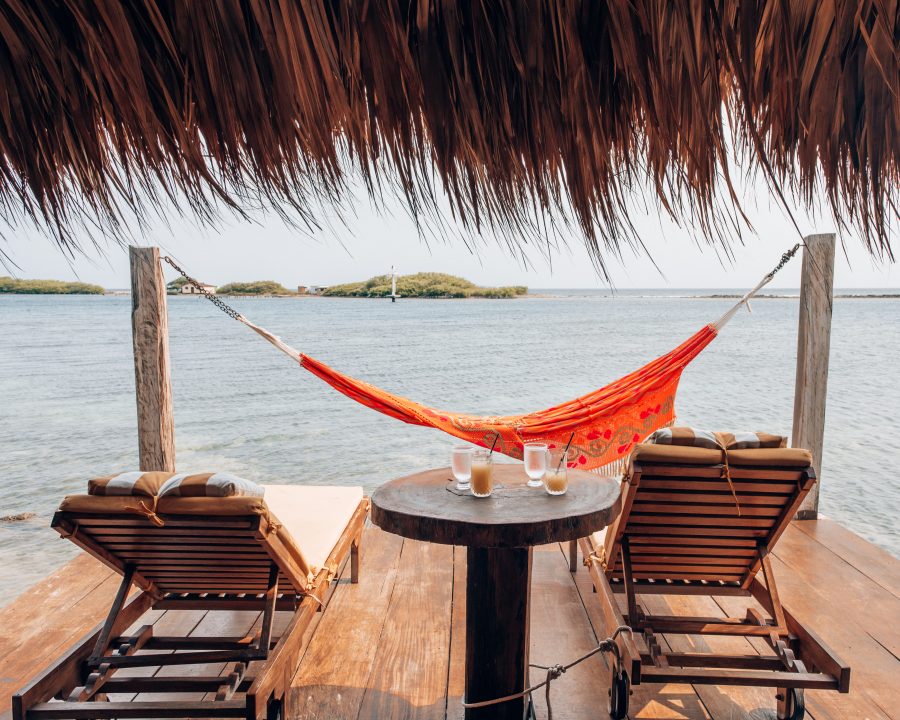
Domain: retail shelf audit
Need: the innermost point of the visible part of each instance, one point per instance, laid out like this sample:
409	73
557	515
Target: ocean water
67	408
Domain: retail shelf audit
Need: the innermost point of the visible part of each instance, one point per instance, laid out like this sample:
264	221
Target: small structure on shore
188	289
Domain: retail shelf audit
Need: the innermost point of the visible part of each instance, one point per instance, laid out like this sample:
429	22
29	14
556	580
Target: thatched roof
515	108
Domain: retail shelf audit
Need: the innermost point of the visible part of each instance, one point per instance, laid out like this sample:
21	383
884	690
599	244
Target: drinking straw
565	452
496	438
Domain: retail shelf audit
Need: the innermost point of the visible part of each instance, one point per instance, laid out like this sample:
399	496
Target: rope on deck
555	671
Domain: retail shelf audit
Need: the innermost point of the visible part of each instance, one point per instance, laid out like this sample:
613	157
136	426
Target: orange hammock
603	425
606	423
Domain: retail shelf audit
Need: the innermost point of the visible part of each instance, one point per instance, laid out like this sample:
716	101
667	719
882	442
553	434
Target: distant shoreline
539	295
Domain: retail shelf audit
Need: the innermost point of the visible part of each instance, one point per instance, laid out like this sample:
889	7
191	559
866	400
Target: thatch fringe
513	108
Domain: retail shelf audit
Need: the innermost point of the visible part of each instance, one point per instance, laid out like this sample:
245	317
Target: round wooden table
499	533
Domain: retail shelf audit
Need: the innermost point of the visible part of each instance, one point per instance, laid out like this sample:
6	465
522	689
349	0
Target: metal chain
214	299
785	258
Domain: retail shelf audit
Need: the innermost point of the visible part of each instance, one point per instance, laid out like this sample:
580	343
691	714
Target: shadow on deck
393	646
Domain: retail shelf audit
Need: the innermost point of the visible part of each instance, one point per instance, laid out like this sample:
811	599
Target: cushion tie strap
726	472
272	525
147	512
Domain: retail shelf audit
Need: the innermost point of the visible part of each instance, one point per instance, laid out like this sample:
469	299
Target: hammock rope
605	424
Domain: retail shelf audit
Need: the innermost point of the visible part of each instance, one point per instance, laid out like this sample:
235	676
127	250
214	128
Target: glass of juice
535	459
461	465
482	482
556	479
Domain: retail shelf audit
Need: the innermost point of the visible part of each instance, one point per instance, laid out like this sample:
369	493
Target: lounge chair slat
729	533
164	684
713	497
721	510
717	485
699	541
166	533
734	577
697	521
714	472
716	660
703	551
641	562
185	523
161	709
754	678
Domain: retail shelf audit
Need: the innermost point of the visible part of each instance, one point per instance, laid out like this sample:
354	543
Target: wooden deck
393	646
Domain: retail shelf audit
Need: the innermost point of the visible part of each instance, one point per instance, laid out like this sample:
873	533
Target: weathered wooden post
152	382
813	341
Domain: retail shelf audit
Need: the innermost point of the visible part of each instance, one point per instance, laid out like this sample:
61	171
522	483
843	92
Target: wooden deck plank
878	565
456	674
336	666
843	585
72	601
874	670
820	705
409	676
561	632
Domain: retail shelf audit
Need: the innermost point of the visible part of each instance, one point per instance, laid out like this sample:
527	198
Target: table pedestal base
498	592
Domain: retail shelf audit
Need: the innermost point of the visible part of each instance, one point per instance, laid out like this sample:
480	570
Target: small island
254	287
47	287
423	285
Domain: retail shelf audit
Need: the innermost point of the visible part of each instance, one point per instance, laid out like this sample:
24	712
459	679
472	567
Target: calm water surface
67	390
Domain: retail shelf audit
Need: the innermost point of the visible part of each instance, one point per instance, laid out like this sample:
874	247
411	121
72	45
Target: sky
370	242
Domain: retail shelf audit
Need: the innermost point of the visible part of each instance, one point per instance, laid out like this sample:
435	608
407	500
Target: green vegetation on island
256	287
423	285
48	287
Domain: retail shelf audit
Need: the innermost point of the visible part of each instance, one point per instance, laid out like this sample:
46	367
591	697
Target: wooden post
498	590
813	341
152	383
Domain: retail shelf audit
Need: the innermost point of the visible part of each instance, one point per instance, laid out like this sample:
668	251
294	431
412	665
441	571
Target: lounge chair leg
354	560
781	697
265	632
573	555
114	610
628	577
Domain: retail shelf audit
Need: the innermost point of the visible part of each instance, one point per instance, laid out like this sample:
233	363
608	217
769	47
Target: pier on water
393	646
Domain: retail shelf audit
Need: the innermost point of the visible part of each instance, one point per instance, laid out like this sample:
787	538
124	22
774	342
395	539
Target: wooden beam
153	384
813	342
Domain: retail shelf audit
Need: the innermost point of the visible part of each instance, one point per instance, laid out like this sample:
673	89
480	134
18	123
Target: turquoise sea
67	408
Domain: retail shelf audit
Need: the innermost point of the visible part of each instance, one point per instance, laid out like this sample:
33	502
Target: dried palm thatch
518	110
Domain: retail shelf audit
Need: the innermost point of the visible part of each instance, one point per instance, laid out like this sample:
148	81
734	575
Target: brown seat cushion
684	455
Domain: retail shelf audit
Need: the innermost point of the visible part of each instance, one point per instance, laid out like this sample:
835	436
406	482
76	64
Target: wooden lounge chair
279	552
679	532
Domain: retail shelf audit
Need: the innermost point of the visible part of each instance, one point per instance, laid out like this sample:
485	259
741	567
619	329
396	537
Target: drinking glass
461	465
556	479
535	463
482	474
